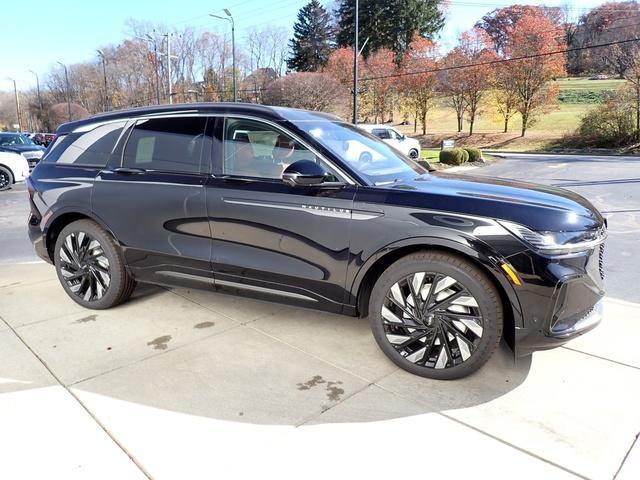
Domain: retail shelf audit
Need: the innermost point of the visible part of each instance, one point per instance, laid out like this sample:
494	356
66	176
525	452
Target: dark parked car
22	145
263	201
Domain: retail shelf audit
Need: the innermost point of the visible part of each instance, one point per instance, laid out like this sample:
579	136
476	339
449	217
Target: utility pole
104	75
66	79
355	66
233	47
39	96
15	91
169	35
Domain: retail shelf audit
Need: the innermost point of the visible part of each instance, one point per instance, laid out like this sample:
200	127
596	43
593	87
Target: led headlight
556	242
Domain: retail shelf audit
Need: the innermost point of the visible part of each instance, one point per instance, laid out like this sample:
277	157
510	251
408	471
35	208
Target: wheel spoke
84	266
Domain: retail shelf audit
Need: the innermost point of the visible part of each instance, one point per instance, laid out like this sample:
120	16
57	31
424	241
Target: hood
22	148
538	207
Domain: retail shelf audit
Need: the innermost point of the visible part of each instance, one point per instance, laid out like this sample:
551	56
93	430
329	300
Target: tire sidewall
8	172
490	309
116	266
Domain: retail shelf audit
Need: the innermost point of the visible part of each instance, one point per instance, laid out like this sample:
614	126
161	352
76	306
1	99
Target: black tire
414	154
473	294
6	178
91	267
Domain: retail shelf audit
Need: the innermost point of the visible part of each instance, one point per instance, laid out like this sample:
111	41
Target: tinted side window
166	144
91	148
381	133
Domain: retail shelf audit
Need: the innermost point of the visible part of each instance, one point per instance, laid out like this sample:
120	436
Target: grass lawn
575	83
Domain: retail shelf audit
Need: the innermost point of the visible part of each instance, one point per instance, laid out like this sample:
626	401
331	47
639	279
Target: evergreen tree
388	23
312	40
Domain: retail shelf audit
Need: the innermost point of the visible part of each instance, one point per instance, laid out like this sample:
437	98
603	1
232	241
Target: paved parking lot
188	384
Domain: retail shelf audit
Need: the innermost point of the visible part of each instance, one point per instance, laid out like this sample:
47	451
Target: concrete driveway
191	384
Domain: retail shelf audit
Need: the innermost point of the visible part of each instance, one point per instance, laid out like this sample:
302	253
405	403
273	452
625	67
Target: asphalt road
612	184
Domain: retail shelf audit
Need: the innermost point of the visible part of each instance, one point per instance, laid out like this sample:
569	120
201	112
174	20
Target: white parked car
408	146
13	168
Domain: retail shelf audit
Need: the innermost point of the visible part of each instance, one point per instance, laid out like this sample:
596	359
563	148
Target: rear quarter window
92	148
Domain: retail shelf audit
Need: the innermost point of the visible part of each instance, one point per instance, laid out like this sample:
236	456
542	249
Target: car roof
228	108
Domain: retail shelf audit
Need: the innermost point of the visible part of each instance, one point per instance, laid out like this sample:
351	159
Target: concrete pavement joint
626	455
600	358
472	427
77	399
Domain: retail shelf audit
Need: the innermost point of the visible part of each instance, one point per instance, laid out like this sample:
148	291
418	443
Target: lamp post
15	91
104	76
169	57
66	79
229	18
39	96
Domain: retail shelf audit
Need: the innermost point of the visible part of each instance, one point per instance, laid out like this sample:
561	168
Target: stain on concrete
88	318
204	325
108	348
241	413
334	392
10	284
160	343
316	380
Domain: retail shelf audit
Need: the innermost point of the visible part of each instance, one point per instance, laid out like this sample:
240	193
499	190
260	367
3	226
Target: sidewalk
190	384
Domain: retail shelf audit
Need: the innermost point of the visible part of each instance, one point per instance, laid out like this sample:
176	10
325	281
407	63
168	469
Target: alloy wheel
4	179
432	320
84	266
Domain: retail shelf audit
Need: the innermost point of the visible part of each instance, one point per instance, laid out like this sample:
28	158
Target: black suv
301	207
22	145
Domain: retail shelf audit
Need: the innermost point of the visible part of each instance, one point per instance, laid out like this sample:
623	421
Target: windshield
15	139
365	153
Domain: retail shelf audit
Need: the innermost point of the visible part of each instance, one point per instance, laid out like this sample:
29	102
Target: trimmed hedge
465	155
474	154
453	156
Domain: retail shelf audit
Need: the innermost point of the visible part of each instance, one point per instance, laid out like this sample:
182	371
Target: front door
152	197
270	237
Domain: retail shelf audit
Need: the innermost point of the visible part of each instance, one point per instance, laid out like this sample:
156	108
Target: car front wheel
91	267
6	179
436	315
414	154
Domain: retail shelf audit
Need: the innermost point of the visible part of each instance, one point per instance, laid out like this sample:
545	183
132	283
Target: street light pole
233	47
39	96
104	76
355	66
15	91
66	79
169	35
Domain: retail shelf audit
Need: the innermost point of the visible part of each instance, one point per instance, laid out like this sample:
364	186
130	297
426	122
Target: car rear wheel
414	154
91	267
436	315
6	179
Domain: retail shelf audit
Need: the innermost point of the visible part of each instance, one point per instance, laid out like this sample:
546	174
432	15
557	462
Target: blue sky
70	31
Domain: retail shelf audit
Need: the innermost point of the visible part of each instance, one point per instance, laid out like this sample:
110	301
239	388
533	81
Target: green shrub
453	156
474	154
465	155
610	124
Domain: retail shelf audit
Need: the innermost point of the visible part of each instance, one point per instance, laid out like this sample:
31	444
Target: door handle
129	171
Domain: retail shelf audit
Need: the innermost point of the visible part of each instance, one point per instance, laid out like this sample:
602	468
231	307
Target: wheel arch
10	170
61	220
371	271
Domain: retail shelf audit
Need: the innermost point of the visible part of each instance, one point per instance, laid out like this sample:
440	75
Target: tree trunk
459	123
415	123
524	124
424	124
506	124
471	120
638	110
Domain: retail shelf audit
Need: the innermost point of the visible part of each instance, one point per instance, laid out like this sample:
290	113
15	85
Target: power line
502	60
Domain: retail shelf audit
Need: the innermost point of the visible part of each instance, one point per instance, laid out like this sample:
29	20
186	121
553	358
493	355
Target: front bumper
561	298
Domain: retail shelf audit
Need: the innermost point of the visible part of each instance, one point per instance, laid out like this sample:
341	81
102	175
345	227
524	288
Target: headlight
35	155
556	243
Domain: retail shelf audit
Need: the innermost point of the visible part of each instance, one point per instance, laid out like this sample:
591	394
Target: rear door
152	197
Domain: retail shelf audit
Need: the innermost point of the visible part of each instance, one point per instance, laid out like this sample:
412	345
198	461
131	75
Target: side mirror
304	173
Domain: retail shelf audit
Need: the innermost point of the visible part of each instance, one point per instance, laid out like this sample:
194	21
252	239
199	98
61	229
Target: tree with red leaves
418	90
529	78
378	92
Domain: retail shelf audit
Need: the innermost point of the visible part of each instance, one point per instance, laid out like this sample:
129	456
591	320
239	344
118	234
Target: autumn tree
475	47
340	66
498	23
378	91
389	24
531	67
504	98
308	90
312	40
451	81
417	83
